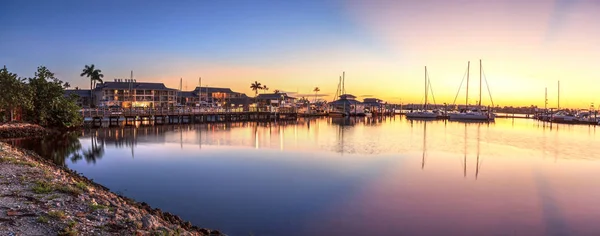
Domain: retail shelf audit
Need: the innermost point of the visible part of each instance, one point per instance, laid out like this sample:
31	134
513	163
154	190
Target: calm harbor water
352	177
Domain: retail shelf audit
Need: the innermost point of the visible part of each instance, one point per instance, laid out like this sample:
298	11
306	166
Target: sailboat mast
480	73
425	104
558	108
467	97
199	91
546	100
343	82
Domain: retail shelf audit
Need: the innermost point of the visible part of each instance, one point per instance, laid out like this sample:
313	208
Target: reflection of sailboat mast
465	159
478	143
424	144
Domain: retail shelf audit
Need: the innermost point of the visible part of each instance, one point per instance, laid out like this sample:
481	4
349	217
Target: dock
114	117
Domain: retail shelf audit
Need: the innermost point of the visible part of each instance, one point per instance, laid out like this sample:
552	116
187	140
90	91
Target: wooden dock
114	117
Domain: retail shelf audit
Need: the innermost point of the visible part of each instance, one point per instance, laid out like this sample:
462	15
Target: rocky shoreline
38	197
22	130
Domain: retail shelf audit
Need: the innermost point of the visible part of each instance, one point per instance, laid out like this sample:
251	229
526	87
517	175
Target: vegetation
95	75
57	214
96	207
42	187
39	99
255	87
82	186
316	90
69	190
14	94
42	219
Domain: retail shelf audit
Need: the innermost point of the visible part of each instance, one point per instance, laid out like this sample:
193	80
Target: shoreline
40	198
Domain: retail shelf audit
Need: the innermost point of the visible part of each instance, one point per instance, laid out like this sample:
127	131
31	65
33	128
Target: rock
149	222
11	213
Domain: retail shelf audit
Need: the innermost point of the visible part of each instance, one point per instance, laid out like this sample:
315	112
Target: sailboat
476	114
424	113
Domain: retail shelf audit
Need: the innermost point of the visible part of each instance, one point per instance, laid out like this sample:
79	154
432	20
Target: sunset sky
295	46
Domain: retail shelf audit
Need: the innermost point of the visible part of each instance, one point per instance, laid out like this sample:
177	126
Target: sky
294	46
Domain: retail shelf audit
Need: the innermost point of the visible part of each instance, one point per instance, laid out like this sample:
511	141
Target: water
352	177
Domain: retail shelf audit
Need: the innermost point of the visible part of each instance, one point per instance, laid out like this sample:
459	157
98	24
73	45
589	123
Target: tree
316	90
276	91
49	106
14	93
255	87
265	88
67	85
95	75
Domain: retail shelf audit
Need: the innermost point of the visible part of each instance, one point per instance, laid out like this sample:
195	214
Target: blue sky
121	35
382	45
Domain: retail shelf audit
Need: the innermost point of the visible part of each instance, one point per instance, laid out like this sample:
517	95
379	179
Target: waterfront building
209	96
128	93
347	105
275	99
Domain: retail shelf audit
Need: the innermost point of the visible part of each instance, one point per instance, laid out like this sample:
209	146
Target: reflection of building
209	96
129	93
274	99
83	96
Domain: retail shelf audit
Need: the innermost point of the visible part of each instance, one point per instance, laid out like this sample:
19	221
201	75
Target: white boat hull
421	115
471	116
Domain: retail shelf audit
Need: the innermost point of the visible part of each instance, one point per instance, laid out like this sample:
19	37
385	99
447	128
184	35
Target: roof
134	85
273	96
345	102
372	100
213	90
79	92
347	96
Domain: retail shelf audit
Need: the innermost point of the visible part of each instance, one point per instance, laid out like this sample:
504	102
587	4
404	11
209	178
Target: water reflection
350	176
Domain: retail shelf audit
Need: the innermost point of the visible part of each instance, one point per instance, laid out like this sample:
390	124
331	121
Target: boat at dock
423	113
473	113
564	117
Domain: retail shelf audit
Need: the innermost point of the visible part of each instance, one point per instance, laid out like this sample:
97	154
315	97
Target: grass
72	223
82	186
69	190
42	187
43	219
68	231
15	161
57	214
96	207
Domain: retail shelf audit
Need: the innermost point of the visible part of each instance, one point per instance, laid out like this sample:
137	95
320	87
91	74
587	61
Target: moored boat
477	113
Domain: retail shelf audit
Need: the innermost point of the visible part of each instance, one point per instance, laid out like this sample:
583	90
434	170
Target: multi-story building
130	93
208	96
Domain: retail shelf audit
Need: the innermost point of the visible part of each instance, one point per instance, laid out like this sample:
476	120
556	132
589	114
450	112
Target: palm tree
255	87
94	75
265	88
316	90
67	85
276	91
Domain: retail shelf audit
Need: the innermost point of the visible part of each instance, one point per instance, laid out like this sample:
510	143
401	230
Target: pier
185	115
